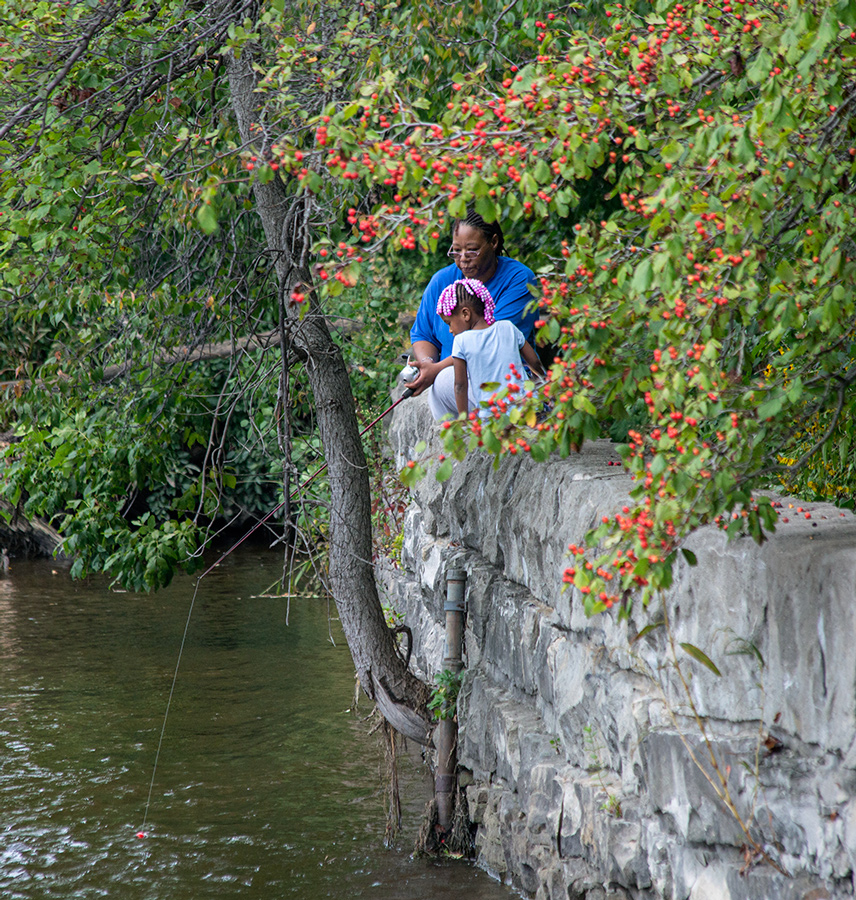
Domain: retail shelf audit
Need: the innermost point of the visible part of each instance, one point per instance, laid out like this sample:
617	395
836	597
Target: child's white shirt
489	353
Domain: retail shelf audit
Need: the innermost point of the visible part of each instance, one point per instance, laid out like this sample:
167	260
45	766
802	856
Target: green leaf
826	33
785	271
539	452
769	408
701	657
444	472
581	402
543	173
642	277
672	152
651	626
747	648
670	85
458	208
845	12
207	218
689	556
760	67
844	448
491	442
487	209
745	149
61	453
795	390
528	184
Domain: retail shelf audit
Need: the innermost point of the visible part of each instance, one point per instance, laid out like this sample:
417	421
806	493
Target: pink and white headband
449	300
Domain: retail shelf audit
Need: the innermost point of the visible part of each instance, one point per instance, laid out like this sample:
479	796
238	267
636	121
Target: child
484	351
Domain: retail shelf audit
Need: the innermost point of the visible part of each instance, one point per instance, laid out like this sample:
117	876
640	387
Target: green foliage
711	314
698	654
76	470
679	175
820	464
109	290
444	697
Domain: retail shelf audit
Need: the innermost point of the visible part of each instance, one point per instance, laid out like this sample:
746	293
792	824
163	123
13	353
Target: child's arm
462	386
530	357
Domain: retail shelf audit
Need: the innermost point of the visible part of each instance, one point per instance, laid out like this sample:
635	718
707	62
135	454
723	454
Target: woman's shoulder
513	269
511	279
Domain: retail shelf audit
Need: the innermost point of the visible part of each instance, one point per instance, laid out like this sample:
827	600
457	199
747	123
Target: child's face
457	322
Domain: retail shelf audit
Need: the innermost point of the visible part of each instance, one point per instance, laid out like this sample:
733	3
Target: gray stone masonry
581	740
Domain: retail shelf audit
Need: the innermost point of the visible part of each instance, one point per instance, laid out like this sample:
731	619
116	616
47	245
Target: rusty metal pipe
446	733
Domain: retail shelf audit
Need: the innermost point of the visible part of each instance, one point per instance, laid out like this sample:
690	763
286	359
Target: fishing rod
408	374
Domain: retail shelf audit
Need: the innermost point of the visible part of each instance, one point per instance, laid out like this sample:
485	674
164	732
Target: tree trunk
383	675
28	537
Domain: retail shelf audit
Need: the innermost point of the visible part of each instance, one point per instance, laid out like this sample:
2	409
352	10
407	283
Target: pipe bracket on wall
456	583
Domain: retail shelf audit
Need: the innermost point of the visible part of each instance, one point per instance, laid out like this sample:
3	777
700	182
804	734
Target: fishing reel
407	375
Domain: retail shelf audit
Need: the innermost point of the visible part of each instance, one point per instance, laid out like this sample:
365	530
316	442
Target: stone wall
577	732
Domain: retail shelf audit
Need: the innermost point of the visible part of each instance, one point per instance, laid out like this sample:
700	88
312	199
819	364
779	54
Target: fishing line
141	834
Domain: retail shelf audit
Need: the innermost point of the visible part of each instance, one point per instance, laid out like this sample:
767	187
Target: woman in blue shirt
477	252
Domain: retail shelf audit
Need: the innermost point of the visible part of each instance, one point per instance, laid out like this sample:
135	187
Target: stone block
552	884
477	799
543	804
628	859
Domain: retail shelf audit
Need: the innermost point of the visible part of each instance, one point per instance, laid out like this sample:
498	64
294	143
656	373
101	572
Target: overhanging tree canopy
86	447
714	312
703	302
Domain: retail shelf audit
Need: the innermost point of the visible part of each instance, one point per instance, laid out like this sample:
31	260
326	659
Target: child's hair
467	292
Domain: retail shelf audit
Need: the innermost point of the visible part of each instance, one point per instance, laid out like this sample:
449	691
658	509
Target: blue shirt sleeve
513	296
428	325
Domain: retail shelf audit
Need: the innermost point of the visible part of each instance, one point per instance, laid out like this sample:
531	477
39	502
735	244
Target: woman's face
481	264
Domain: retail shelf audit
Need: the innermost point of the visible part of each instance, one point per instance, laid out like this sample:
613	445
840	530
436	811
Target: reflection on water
268	786
8	643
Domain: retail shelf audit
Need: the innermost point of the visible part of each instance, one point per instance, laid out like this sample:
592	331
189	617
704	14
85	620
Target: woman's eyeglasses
463	254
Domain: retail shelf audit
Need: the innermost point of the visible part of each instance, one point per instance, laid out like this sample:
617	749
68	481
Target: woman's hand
428	371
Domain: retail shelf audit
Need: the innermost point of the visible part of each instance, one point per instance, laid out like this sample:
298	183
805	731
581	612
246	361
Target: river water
268	785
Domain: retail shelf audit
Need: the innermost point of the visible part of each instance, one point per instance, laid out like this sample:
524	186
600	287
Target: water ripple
264	789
